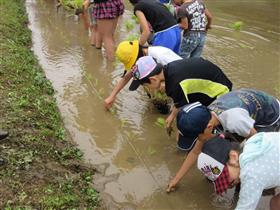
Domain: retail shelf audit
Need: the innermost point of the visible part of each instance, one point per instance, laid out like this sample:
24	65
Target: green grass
72	4
44	169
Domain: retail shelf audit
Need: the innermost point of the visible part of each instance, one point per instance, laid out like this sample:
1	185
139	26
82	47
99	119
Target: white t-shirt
241	110
237	120
163	55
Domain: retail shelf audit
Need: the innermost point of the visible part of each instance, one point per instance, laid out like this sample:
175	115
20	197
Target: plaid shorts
108	10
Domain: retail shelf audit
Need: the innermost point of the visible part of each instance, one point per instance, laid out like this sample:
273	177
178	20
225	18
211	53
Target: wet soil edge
40	166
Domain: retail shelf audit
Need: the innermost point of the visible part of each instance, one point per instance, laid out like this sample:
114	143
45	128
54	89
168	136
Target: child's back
194	10
166	31
156	14
195	20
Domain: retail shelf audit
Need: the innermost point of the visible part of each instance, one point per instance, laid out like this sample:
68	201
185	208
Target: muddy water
134	157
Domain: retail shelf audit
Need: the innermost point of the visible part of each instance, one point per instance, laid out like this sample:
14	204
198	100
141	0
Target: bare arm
209	19
144	26
187	164
184	24
108	102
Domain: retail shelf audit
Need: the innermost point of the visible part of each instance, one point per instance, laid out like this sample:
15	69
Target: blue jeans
192	44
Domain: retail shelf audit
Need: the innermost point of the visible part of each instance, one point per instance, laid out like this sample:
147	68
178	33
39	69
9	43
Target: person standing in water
107	13
195	19
166	31
94	37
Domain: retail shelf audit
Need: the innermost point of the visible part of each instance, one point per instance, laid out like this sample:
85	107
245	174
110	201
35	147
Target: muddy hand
169	130
170	188
168	125
108	102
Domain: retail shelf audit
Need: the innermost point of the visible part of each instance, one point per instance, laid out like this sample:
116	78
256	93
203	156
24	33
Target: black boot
3	134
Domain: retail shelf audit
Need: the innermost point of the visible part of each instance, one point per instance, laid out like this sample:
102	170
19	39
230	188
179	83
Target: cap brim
186	143
134	85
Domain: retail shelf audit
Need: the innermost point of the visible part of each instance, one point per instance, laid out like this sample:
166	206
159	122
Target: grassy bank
43	169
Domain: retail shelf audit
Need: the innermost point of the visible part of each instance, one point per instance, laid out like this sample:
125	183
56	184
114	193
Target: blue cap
192	119
184	144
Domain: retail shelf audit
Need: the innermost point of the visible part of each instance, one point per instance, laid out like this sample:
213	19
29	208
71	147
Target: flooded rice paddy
134	157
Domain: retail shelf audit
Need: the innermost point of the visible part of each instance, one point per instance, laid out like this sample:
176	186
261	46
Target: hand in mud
169	131
168	125
108	102
171	187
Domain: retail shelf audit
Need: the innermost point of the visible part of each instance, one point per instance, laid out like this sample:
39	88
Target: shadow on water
134	157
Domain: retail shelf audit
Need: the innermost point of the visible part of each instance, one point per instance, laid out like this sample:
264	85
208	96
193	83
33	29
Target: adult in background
195	19
106	13
166	31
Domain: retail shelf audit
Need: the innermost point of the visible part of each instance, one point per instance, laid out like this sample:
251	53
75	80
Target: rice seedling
123	123
95	82
113	110
135	19
88	76
129	25
101	92
151	151
133	37
160	122
236	25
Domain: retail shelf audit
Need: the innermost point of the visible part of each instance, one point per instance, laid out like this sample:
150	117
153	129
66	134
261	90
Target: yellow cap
127	53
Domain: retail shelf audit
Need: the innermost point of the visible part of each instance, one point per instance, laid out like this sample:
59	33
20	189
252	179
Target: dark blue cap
192	119
185	144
